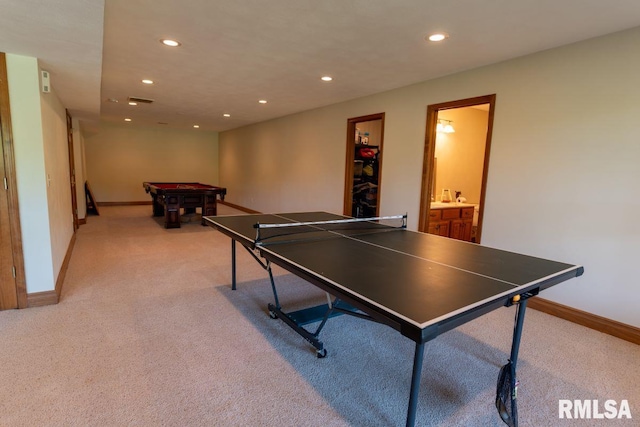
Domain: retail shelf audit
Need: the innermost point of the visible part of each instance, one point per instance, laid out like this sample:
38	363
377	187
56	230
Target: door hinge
6	187
13	270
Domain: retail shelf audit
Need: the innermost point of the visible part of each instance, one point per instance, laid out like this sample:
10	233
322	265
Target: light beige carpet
149	333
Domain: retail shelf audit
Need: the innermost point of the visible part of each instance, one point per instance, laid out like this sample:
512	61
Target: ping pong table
420	284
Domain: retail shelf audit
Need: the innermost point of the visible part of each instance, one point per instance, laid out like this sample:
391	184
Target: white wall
562	176
56	160
119	158
286	164
27	129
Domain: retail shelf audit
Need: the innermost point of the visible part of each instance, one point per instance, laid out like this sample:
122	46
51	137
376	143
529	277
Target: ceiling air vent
140	100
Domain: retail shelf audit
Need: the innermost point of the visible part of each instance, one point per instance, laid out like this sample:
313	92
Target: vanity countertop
440	205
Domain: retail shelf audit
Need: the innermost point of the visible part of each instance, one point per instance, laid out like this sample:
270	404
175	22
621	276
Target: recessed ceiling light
133	103
127	119
147	81
170	43
196	126
437	37
112	100
326	78
263	101
226	115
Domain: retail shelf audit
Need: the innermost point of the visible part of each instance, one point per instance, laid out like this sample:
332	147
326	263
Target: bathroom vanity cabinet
451	220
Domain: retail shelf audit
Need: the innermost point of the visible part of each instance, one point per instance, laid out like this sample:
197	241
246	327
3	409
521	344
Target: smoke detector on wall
45	81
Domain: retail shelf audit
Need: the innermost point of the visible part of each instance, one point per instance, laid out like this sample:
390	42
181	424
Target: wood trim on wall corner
593	321
123	203
39	299
238	207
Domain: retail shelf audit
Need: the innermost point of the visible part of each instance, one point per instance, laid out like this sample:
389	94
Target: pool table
170	197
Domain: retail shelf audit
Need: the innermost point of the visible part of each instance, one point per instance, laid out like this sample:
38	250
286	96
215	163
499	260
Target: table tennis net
287	232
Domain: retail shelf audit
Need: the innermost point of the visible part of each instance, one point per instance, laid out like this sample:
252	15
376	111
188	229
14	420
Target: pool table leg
209	207
171	211
158	209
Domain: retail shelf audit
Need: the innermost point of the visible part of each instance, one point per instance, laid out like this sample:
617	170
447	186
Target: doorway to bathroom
456	160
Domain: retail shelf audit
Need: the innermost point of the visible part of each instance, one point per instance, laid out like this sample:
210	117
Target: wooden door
8	291
13	293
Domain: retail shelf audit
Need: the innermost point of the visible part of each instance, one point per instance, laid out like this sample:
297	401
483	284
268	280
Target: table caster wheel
273	314
321	354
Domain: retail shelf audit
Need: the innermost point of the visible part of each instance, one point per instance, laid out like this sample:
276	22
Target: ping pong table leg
273	286
517	333
233	264
513	360
415	384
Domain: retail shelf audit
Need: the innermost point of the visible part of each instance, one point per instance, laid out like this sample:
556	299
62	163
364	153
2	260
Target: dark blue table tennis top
419	281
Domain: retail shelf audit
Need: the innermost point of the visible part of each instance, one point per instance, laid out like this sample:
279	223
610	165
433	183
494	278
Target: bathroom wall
461	154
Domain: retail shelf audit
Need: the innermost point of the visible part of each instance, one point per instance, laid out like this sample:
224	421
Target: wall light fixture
446	128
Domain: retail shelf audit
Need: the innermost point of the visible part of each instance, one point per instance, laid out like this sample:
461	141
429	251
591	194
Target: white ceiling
234	53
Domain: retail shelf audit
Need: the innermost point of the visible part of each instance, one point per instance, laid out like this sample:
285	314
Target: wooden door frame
429	153
12	189
72	173
350	154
